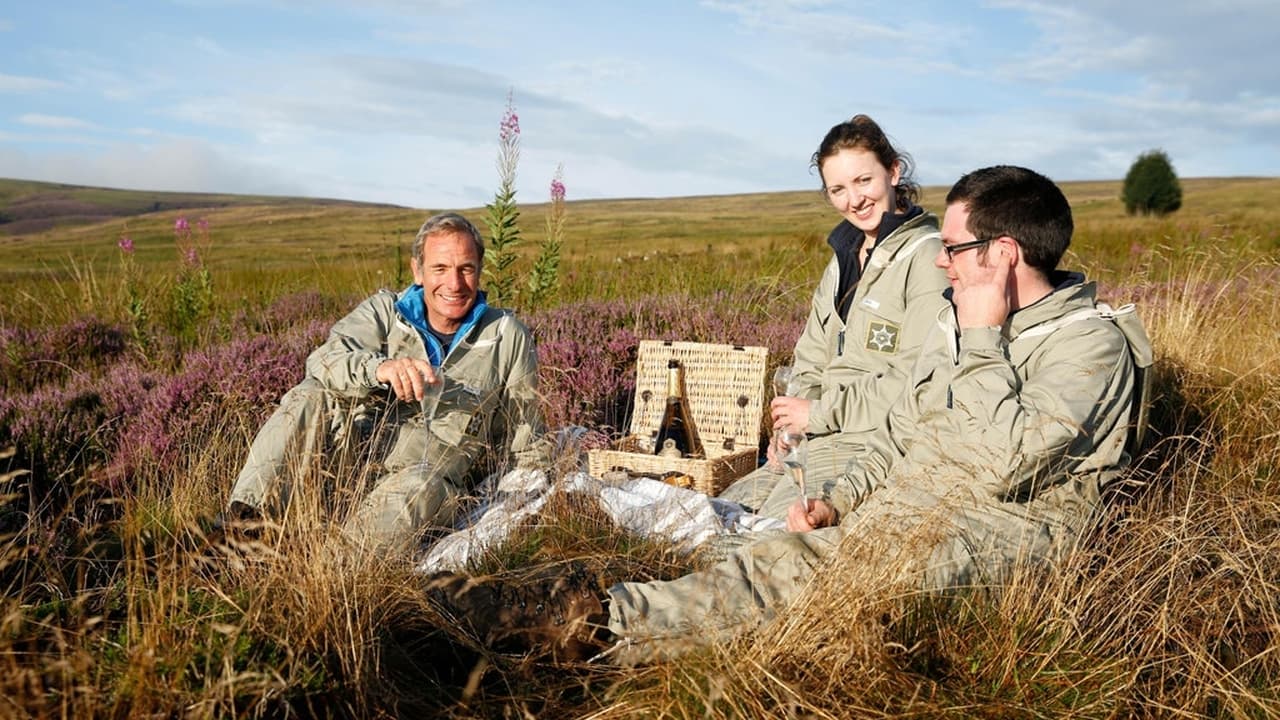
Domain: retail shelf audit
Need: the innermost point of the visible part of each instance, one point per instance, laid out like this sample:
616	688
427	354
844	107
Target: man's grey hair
447	222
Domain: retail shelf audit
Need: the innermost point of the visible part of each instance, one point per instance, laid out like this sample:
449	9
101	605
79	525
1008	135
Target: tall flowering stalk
193	290
135	303
544	278
503	216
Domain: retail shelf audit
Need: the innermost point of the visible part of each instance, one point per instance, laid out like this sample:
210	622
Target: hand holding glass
781	388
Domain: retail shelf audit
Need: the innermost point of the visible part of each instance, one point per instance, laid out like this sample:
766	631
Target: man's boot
557	611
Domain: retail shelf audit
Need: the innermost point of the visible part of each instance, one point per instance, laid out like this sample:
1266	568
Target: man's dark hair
1019	203
447	222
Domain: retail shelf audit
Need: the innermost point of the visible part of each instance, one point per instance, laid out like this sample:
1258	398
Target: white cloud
178	165
1210	51
54	122
20	83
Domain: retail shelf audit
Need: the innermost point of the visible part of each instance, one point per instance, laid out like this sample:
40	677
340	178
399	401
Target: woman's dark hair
860	132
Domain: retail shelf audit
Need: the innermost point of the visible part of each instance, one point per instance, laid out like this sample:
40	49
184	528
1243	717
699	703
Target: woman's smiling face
860	188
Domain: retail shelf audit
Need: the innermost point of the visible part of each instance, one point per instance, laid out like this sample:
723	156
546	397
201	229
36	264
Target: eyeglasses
951	250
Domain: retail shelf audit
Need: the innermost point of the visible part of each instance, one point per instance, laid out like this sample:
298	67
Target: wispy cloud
54	122
1209	51
20	83
181	165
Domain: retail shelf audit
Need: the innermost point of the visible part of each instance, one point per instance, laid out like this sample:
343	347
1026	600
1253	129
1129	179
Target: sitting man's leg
666	618
426	482
289	440
899	535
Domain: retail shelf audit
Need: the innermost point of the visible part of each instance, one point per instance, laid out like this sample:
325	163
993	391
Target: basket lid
724	385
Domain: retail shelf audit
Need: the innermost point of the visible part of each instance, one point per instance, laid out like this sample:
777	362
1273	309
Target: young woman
868	317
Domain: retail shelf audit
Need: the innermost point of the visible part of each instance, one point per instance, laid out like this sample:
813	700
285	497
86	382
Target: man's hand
791	413
808	515
983	290
408	377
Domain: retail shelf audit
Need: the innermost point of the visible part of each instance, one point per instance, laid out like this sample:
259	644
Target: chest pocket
465	412
876	324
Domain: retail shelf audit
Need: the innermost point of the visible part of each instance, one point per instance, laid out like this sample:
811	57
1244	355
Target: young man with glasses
1015	417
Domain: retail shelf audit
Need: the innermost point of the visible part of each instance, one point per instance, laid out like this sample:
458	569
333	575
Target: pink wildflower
190	256
126	244
203	226
510	125
557	190
181	225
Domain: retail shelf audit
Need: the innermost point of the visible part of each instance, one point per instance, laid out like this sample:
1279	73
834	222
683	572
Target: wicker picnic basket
725	388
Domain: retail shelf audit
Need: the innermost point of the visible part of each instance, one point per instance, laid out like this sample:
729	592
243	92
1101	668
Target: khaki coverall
999	448
487	416
853	370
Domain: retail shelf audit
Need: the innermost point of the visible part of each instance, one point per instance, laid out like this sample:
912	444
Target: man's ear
1008	250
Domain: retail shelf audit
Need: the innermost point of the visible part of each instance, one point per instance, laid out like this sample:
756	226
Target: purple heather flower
181	225
557	190
126	244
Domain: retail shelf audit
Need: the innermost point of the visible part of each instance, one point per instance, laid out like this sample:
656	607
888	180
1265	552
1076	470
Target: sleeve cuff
981	338
371	370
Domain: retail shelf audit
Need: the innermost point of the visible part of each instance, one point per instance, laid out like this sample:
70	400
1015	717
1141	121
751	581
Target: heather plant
243	377
587	350
32	357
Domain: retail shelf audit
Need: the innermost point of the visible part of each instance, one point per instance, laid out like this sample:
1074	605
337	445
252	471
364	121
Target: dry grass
115	606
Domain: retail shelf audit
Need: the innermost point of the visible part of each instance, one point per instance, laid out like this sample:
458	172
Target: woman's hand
791	413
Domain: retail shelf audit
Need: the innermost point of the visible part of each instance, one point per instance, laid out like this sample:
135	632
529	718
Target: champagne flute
431	394
791	451
782	380
781	387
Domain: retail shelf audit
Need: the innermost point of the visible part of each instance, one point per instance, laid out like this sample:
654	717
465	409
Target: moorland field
140	354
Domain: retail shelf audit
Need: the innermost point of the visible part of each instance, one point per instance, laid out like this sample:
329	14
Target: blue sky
399	101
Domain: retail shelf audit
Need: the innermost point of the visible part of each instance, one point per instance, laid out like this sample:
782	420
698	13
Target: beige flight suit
488	419
854	370
995	455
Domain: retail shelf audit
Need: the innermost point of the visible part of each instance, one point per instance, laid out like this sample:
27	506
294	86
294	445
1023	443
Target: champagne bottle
677	422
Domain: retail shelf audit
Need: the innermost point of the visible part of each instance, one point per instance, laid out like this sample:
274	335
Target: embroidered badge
882	337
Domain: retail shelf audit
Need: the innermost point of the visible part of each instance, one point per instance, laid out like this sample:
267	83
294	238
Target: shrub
1151	186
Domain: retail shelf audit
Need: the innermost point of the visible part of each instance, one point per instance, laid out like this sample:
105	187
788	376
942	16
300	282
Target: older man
1015	417
448	383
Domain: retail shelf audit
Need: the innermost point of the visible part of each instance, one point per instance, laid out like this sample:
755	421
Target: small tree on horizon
1151	186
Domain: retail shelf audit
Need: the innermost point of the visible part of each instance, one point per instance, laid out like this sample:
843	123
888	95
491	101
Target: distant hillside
27	206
